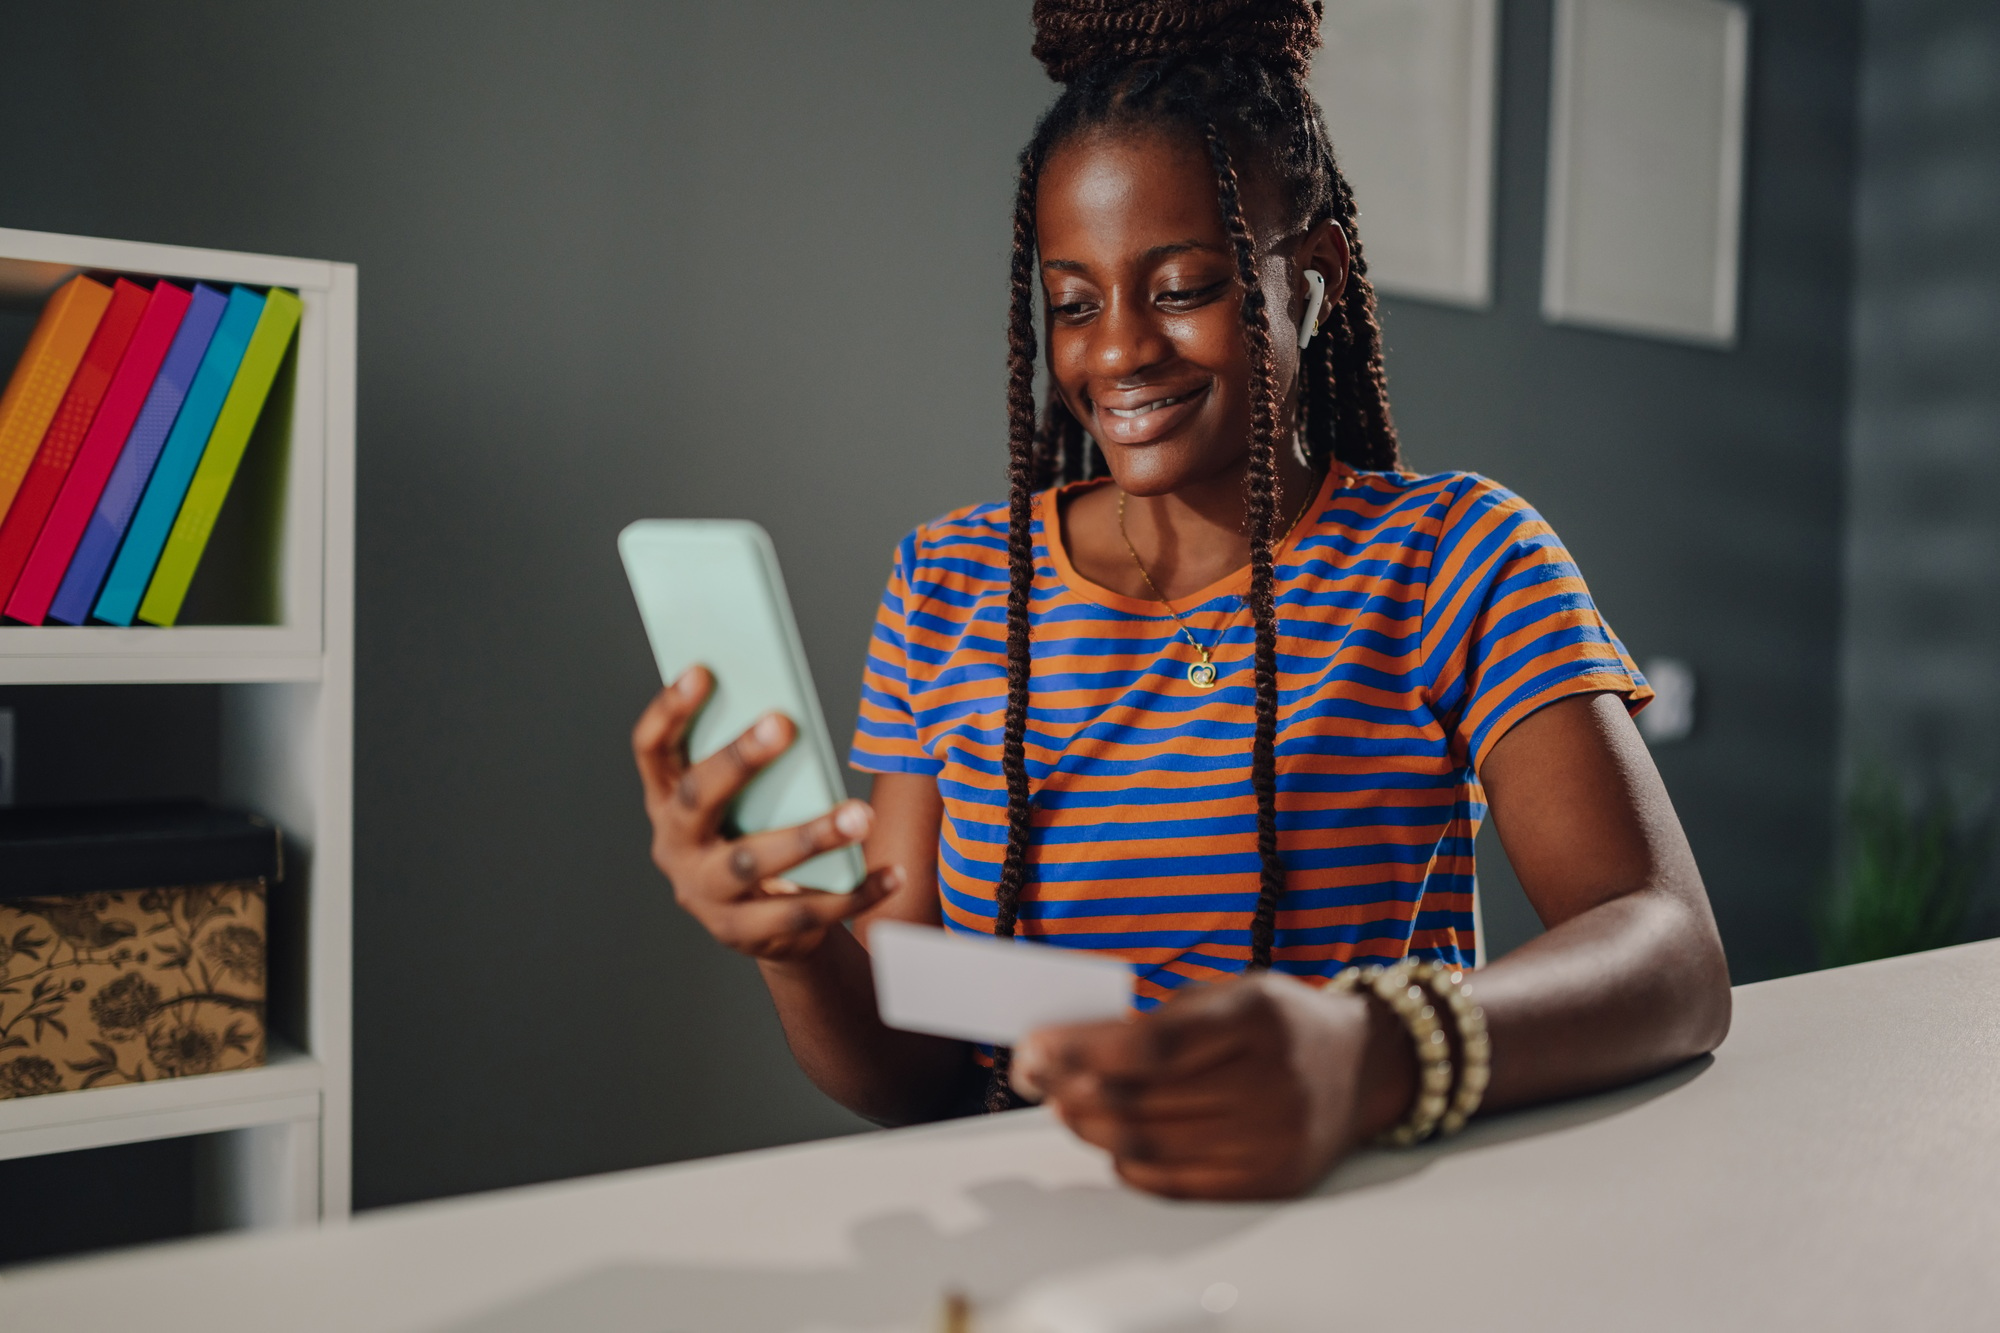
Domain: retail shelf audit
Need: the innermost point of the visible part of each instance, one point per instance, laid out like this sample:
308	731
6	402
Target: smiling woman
1221	688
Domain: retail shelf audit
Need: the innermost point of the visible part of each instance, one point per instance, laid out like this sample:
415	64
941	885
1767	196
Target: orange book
44	478
42	376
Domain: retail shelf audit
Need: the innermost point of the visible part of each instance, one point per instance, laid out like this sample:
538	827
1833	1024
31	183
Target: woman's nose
1127	340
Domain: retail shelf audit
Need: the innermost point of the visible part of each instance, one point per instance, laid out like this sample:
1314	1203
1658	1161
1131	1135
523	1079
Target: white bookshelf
287	751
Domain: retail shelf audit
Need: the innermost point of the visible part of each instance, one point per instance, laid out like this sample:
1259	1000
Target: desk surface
1836	1165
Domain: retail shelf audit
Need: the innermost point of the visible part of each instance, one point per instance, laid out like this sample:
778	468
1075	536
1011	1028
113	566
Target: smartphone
709	592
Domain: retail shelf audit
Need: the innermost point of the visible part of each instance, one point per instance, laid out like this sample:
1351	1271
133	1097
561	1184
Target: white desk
1835	1166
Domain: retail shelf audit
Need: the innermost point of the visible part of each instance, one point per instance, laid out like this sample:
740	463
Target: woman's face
1145	316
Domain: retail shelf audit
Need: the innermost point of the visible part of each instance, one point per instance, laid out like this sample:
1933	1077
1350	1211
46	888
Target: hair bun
1073	35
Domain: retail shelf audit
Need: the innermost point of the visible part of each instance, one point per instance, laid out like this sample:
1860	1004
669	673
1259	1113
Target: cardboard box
102	983
128	987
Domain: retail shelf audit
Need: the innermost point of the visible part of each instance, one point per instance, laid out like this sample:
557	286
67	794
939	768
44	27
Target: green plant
1906	882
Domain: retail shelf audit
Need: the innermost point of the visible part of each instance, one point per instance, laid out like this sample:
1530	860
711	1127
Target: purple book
135	465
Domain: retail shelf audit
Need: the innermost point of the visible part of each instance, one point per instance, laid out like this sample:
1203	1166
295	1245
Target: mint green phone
709	592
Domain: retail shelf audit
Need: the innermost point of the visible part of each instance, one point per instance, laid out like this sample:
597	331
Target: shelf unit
286	750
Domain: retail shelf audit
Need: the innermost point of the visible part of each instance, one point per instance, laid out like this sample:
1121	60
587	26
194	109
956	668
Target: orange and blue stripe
1419	618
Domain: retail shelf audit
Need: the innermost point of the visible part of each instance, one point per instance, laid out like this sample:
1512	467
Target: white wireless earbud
1310	324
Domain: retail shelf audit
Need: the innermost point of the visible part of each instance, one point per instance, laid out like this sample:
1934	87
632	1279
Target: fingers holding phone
736	887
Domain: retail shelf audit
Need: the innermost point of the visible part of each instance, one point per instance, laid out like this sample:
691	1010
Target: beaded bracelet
1475	1048
1397	987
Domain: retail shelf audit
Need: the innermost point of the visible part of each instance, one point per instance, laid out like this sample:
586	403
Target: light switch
1670	717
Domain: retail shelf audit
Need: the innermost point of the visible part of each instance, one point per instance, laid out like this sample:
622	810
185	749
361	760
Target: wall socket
6	756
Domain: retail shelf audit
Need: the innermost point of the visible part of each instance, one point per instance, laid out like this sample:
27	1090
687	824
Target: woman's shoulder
970	537
1426	528
1434	503
1450	489
978	524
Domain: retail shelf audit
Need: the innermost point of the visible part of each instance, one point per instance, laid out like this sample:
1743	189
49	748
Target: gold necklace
1202	675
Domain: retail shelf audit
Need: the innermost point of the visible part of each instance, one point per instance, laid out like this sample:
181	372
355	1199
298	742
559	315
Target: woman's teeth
1130	413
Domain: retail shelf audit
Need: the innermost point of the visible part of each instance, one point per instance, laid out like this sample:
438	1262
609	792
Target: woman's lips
1143	420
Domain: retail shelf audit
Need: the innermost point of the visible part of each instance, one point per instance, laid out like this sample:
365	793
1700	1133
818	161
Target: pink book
98	454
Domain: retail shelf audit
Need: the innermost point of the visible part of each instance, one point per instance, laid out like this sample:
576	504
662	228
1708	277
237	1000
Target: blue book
135	465
179	457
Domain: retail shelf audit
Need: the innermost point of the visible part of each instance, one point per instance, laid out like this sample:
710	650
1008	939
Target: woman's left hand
1250	1089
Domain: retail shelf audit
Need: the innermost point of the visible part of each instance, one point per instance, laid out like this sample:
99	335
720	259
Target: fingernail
770	731
893	878
684	683
852	820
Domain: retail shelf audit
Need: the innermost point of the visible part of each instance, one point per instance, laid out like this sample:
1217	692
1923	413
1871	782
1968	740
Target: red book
66	431
98	454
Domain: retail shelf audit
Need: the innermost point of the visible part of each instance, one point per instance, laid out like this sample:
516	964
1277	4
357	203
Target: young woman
1221	689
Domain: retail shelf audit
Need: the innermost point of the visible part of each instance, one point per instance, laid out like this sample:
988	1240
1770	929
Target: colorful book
179	457
98	454
135	465
42	376
67	428
212	479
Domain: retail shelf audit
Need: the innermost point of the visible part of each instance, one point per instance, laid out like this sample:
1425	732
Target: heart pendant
1201	675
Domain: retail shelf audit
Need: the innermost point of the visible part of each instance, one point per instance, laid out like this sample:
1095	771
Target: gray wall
649	259
618	260
1699	490
1922	643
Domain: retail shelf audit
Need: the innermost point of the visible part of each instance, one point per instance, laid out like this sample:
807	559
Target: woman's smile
1141	416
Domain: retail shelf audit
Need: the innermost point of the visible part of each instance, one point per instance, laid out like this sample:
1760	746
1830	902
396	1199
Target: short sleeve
885	736
1509	626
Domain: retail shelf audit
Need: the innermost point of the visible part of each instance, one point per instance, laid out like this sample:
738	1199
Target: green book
226	443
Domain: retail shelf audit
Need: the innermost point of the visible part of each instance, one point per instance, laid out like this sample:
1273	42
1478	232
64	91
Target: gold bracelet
1397	988
1475	1047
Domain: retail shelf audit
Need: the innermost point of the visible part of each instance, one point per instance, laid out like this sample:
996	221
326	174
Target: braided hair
1230	76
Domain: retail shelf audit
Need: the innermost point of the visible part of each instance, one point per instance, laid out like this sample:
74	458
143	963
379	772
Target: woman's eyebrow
1177	248
1149	255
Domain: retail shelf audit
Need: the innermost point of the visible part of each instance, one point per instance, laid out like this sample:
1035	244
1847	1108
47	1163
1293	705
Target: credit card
979	988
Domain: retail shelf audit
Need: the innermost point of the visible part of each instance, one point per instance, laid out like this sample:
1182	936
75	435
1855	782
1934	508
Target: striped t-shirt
1418	619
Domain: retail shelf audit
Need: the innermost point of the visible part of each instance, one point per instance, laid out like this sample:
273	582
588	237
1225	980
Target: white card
978	988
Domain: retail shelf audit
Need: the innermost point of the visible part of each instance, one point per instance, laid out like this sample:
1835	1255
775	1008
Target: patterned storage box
132	944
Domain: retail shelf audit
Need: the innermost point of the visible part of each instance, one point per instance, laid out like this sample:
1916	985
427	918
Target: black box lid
107	848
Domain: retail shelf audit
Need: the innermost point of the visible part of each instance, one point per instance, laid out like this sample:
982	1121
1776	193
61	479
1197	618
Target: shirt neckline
1048	509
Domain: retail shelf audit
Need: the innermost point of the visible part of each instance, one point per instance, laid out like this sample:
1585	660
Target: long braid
1023	453
1320	419
1357	380
1260	494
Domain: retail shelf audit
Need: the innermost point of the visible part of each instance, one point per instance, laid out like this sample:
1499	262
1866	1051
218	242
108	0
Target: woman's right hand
735	887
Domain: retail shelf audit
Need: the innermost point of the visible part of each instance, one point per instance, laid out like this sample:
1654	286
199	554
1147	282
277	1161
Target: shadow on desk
1030	1232
903	1265
1381	1168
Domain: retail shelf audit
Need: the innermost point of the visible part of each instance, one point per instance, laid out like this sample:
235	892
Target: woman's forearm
826	1002
1626	989
1630	978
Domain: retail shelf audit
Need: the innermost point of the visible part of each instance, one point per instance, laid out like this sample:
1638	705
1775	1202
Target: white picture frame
1410	91
1646	148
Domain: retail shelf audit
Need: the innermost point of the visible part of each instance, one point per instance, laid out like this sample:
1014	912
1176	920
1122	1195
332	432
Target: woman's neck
1186	539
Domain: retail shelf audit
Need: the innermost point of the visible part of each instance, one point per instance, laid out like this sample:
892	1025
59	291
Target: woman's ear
1325	251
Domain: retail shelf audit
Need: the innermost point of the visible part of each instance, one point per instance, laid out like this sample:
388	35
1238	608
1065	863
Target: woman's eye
1185	297
1074	310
